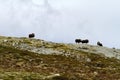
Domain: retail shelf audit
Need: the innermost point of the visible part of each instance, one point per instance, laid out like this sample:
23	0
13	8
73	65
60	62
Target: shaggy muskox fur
81	41
85	41
31	35
77	40
99	43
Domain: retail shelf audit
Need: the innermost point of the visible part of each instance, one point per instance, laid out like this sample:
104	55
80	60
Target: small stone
88	60
95	73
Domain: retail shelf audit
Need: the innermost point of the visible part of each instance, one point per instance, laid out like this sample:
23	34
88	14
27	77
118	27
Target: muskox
99	43
31	35
85	41
77	40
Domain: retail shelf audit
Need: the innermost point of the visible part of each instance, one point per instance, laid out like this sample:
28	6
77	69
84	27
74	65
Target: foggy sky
62	20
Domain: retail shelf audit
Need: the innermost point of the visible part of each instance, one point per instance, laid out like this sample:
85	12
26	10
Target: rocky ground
36	59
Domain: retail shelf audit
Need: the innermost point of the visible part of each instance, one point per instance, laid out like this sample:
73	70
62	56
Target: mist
62	20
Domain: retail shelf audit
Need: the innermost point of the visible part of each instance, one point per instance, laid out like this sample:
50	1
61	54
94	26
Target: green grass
18	64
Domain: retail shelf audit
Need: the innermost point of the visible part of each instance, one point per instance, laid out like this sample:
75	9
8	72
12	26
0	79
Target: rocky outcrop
44	47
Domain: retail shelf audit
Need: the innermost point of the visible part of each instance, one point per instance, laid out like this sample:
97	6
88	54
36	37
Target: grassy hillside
17	64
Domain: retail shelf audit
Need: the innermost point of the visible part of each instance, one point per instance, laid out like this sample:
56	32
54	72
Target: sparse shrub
27	41
28	78
9	37
60	78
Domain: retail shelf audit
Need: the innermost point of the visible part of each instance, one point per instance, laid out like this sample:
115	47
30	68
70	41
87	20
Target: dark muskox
31	35
99	44
77	40
85	41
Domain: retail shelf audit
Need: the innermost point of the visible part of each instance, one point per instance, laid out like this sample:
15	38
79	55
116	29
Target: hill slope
41	46
23	58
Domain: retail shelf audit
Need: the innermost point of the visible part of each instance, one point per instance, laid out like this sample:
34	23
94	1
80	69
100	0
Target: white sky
62	20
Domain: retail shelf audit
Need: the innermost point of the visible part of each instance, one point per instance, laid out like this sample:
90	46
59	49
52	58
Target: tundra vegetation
62	63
